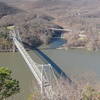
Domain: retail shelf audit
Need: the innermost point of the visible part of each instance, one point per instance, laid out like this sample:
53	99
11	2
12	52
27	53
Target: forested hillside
77	15
33	25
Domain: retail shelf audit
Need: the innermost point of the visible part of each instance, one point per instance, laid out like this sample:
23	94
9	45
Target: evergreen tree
8	86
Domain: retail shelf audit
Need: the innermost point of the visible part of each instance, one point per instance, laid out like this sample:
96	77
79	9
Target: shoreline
59	48
83	48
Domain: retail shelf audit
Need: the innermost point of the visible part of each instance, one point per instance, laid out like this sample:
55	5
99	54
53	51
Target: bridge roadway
34	69
29	61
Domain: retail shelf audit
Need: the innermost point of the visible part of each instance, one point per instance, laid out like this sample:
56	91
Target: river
76	63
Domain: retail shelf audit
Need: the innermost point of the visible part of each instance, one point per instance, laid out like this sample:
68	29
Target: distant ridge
7	10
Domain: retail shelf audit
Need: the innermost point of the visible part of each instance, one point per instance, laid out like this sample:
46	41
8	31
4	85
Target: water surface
77	63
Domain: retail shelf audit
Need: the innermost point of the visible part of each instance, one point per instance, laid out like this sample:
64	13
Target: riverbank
80	41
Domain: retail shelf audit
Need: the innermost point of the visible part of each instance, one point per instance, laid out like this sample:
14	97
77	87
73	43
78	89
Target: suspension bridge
40	71
42	79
